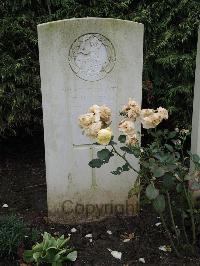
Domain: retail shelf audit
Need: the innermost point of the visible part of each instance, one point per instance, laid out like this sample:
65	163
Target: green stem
184	231
193	222
182	152
169	236
124	158
172	216
191	216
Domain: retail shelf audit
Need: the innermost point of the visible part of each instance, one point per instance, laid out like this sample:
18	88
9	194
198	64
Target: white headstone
195	138
84	62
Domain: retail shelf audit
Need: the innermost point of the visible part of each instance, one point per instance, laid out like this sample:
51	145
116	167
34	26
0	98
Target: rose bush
165	174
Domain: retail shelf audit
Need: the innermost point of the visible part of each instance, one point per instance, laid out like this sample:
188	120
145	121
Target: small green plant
14	232
51	250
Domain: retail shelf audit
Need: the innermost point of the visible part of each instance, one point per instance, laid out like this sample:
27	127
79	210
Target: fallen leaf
88	235
126	240
115	254
141	260
73	230
127	237
165	248
109	232
157	224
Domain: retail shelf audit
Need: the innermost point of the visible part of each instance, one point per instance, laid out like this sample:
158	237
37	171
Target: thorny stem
169	236
124	158
191	216
172	216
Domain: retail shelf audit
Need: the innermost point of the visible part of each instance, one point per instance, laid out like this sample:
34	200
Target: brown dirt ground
23	188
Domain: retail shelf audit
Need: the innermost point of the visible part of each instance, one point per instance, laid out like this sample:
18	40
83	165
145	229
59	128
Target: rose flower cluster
149	118
95	123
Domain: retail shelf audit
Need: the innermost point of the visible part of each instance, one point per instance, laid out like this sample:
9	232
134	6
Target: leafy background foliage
169	54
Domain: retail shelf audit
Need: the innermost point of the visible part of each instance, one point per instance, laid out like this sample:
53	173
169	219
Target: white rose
104	136
86	120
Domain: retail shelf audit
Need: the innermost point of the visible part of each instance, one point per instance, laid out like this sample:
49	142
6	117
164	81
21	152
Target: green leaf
152	161
125	167
195	186
61	241
63	251
117	171
36	256
145	164
172	135
195	158
136	151
188	177
159	204
168	181
162	157
179	188
151	192
95	163
51	249
112	142
28	256
104	155
57	258
171	167
177	155
158	171
57	263
46	241
39	247
122	138
126	149
72	256
169	147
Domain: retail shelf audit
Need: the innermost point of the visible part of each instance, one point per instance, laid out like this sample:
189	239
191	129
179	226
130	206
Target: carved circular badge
92	56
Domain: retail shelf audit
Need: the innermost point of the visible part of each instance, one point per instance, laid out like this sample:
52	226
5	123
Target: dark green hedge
169	54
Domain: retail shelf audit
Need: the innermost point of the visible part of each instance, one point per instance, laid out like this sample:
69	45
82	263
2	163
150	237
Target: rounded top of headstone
91	19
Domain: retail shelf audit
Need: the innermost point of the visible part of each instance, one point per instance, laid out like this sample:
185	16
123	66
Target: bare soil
23	188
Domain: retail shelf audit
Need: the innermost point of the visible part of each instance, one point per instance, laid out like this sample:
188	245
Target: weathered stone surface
84	62
195	139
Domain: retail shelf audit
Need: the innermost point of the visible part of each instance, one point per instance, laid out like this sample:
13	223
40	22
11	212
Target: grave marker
195	138
84	62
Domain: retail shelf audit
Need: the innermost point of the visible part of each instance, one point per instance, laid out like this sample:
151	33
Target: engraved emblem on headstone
91	56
